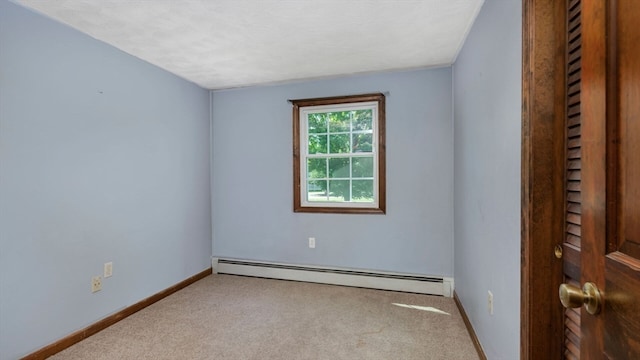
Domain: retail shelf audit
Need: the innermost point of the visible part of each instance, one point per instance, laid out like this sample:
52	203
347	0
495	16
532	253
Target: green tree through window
345	174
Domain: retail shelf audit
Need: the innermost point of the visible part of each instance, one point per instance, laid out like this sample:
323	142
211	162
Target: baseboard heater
431	285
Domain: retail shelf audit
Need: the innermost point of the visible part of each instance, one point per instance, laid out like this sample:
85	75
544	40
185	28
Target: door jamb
542	183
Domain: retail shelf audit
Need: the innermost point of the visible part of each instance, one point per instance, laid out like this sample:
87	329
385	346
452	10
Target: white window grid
304	137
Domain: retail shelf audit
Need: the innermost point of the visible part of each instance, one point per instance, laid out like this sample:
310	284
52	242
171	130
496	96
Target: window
339	154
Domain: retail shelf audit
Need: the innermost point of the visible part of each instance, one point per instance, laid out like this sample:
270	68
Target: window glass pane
317	123
362	120
339	121
318	144
317	190
339	167
316	168
339	190
362	143
339	144
362	190
362	167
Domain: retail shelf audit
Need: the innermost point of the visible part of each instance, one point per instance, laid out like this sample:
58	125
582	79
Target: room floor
235	317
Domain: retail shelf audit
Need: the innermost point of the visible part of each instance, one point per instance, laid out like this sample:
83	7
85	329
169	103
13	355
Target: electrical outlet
108	269
490	302
312	242
96	284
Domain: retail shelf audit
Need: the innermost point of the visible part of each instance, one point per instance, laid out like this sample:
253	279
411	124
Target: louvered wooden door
573	166
602	242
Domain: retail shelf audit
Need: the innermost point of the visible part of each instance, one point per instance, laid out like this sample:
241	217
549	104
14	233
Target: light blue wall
487	117
252	188
103	157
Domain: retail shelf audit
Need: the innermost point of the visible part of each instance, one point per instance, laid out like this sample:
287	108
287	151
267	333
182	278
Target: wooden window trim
381	154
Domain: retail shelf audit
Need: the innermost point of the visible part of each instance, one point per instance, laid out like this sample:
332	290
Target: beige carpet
234	317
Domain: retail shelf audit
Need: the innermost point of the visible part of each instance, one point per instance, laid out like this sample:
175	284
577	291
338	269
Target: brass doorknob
572	297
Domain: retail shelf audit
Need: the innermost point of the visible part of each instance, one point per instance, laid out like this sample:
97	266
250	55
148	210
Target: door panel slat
573	217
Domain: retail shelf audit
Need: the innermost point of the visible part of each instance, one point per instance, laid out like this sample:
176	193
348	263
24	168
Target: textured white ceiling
231	43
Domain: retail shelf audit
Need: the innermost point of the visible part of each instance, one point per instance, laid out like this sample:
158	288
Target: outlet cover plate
96	284
108	269
490	302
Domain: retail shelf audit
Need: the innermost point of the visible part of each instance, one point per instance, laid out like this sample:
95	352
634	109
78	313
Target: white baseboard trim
432	285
